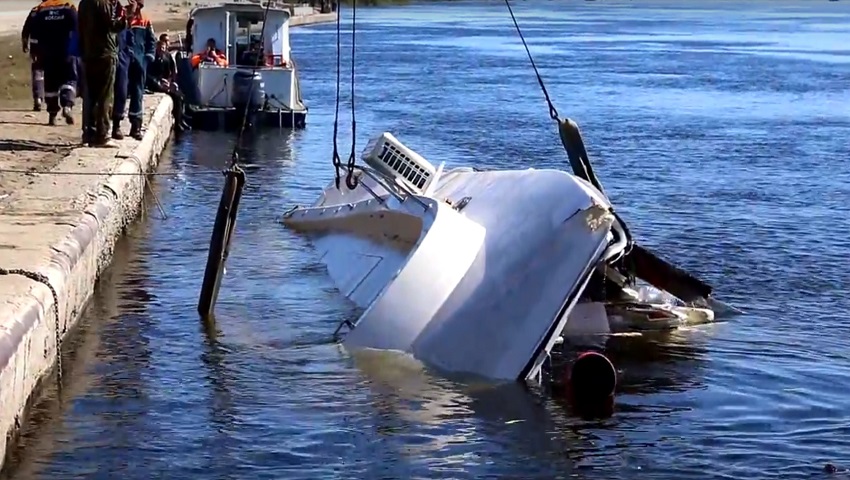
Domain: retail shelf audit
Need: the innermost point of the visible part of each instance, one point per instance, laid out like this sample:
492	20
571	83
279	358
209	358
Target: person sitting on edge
210	55
162	78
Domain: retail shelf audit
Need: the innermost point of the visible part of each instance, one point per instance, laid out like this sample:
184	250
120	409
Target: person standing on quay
29	44
100	21
52	24
137	46
119	99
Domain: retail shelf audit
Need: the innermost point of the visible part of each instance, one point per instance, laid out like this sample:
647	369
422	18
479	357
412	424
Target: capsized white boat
479	272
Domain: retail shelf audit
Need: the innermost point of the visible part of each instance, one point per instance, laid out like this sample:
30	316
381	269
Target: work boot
136	129
116	131
66	114
36	105
104	143
51	119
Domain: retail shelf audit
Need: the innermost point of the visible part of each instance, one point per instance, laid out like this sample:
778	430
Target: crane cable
553	112
350	180
337	162
234	158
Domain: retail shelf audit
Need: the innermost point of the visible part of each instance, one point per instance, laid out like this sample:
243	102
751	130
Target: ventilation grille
387	154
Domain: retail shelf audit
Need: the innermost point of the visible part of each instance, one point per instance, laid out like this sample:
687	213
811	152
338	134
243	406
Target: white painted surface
481	290
215	83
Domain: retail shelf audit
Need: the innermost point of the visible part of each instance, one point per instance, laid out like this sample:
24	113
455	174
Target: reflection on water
719	135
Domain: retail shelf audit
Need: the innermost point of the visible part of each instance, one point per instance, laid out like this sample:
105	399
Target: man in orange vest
211	55
140	44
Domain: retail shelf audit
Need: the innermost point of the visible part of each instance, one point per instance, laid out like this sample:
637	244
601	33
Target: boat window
249	30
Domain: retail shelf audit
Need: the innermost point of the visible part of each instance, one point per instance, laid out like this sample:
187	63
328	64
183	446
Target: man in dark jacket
53	23
162	78
99	23
29	44
140	47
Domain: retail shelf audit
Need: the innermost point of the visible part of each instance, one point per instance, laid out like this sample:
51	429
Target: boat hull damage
477	272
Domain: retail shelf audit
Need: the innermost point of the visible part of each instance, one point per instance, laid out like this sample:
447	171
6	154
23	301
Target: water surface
721	133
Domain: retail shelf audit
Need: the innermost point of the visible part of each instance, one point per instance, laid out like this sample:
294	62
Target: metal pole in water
222	234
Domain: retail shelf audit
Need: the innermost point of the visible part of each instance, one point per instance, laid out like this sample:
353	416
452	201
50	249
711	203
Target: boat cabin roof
239	7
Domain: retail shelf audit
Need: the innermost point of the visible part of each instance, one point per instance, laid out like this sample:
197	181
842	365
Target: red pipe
592	381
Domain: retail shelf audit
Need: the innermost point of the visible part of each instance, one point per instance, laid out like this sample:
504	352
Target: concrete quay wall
63	228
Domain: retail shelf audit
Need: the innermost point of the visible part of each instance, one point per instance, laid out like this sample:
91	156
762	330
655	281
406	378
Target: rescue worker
52	24
29	44
210	55
137	46
122	67
76	69
99	23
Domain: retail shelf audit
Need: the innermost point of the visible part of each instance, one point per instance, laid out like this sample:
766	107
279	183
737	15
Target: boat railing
398	190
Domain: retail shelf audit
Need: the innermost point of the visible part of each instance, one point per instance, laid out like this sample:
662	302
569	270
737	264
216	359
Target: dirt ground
26	141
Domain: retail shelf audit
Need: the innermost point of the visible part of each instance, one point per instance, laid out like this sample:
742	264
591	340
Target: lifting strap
638	261
579	160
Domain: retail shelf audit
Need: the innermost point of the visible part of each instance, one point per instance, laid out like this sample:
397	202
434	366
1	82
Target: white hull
479	291
470	272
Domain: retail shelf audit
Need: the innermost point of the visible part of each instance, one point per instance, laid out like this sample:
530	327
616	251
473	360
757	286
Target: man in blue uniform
53	23
29	44
137	46
119	106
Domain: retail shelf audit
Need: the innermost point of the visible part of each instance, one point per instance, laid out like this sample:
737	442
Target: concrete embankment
61	229
311	19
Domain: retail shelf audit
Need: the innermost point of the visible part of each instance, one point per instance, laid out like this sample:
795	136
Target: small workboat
251	67
483	272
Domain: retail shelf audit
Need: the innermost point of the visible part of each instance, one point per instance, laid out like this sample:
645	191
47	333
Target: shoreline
13	13
58	234
63	207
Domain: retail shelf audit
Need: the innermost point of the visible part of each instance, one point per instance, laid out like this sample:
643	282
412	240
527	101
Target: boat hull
483	289
232	118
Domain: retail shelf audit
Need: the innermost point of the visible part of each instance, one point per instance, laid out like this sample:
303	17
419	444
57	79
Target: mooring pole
225	221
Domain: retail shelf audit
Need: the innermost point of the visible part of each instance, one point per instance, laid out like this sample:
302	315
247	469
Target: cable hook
350	180
337	161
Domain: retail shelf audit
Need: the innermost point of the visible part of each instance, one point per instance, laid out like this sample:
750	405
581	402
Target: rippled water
721	134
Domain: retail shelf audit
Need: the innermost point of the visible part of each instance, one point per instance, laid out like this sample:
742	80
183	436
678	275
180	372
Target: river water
720	133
